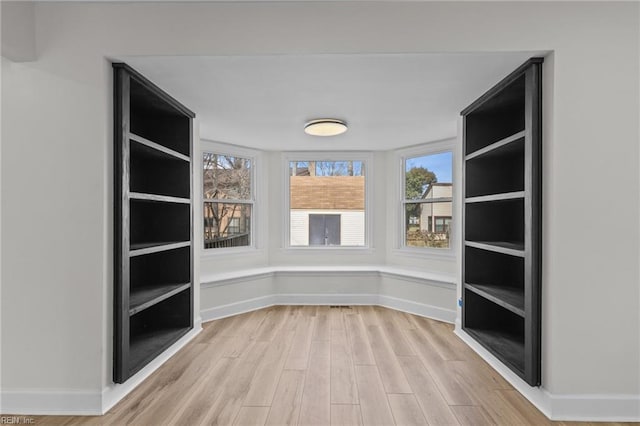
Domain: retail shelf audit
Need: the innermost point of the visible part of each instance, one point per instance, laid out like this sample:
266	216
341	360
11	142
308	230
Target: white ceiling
388	100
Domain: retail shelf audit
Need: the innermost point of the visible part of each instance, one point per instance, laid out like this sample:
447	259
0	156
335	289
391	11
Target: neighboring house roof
327	192
438	190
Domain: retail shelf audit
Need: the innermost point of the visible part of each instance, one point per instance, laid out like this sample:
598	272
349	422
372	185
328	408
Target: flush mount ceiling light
325	127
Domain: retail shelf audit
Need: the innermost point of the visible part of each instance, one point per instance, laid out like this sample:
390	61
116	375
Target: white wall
18	29
56	152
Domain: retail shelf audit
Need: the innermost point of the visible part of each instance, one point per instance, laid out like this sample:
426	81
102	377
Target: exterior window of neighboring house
326	203
228	200
427	203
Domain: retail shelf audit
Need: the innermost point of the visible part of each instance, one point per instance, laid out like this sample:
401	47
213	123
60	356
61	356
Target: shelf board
504	247
507	347
157	147
161	198
144	347
496	197
496	145
511	298
145	297
148	248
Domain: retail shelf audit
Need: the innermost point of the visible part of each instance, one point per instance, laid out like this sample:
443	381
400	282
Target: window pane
327	203
428	224
421	173
226	177
226	225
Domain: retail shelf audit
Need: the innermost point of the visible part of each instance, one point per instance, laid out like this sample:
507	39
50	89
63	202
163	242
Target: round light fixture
325	127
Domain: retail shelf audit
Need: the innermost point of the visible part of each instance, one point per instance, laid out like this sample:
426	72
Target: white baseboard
51	402
403	305
326	299
236	308
421	309
112	394
564	407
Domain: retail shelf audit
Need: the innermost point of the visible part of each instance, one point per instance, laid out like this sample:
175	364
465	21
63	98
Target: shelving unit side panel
121	224
192	228
533	230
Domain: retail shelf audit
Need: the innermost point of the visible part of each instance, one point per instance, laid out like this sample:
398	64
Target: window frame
234	151
366	158
432	148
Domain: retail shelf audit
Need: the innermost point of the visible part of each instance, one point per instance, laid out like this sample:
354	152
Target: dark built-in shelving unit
153	221
502	220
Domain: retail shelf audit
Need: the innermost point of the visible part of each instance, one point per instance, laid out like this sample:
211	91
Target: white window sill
230	251
435	254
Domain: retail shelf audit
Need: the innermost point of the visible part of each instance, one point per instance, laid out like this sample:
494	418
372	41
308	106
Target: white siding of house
351	226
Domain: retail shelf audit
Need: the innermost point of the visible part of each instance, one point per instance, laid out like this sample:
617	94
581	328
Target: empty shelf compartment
153	222
153	330
497	118
154	172
501	222
158	121
496	328
499	171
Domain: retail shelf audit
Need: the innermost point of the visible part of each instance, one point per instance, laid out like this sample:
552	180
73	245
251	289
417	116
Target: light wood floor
311	365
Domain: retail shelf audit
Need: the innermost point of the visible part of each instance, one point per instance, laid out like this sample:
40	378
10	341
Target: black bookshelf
502	220
153	221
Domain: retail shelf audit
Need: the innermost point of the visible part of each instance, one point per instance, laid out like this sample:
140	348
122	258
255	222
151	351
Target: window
327	203
228	200
427	205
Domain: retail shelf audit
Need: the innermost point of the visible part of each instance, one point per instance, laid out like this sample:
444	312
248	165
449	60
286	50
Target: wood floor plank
322	328
358	340
251	416
390	370
163	407
444	376
369	315
442	346
285	408
336	318
432	402
272	322
316	398
345	415
406	410
522	406
268	370
344	389
226	407
373	399
397	339
298	356
471	415
200	398
403	319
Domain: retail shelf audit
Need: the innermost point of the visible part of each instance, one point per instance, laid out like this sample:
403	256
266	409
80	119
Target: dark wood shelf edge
152	295
481	336
504	196
158	147
149	248
496	145
164	339
155	89
144	196
517	73
498	247
495	295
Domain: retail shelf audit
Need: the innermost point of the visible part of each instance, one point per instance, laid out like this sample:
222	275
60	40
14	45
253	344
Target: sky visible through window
440	164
